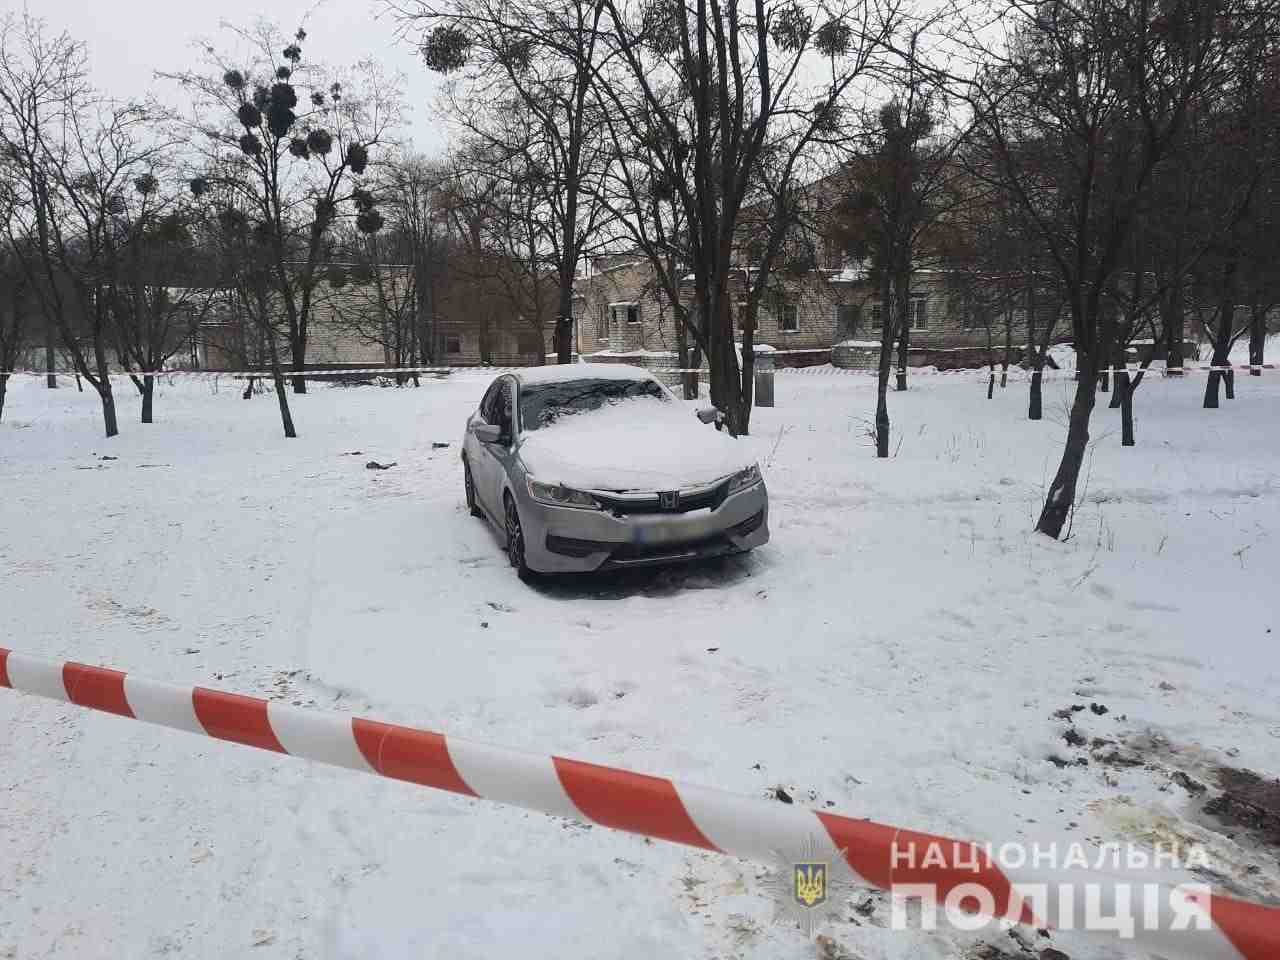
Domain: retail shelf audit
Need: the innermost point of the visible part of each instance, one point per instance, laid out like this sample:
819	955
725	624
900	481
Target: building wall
346	330
831	307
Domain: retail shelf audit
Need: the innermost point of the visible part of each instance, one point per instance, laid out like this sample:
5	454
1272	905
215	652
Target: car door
478	457
498	455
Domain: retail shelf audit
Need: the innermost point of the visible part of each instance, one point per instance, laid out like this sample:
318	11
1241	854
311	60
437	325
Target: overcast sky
129	40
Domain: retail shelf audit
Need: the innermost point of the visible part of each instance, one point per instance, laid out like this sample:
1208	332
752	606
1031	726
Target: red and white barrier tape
654	807
266	374
820	369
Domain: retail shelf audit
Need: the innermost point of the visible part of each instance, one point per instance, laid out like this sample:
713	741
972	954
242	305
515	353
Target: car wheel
515	540
472	507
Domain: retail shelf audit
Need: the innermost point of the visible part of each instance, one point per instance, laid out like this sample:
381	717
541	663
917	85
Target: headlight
745	478
557	496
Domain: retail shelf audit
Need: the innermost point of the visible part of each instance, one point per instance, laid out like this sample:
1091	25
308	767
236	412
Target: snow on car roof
564	372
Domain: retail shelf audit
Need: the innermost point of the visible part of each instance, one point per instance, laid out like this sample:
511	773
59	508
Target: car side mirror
488	433
710	415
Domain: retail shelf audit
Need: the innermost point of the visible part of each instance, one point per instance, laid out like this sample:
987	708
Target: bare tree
1107	86
75	156
500	265
375	296
292	144
14	307
162	287
648	216
725	102
535	60
893	194
245	268
418	233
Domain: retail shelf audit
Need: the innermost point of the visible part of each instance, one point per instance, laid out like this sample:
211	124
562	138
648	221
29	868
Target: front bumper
565	540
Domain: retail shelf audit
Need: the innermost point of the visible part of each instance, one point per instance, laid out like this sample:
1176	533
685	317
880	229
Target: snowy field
898	652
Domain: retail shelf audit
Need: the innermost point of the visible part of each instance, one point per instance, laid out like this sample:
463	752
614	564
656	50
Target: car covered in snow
595	466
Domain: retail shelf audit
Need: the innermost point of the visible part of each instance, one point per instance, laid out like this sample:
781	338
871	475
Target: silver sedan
585	467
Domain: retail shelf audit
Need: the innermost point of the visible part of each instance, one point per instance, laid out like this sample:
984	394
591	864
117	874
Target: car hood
637	445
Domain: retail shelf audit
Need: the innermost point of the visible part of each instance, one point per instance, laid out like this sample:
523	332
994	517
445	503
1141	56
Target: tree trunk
1120	363
1008	341
299	350
148	391
1117	395
103	386
1222	338
482	338
882	380
1173	331
991	363
1062	492
1257	343
1211	385
108	408
1035	405
1125	388
904	330
50	380
286	417
4	388
689	381
564	322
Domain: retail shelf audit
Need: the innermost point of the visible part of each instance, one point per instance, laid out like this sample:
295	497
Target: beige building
359	320
823	315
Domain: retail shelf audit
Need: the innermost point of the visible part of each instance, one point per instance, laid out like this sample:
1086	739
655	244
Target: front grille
646	551
700	498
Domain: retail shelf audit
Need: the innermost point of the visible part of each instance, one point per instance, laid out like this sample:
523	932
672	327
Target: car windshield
542	404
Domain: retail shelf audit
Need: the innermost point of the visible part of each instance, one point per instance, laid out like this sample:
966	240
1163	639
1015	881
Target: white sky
129	40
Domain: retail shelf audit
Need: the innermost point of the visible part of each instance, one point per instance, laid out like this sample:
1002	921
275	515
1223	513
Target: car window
542	404
486	404
502	407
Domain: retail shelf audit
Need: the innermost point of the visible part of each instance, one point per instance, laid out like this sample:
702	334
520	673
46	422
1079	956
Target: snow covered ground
898	652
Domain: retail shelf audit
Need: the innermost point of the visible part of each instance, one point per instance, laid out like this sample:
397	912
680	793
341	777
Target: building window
630	312
602	323
789	318
452	344
918	318
741	309
876	314
848	316
972	315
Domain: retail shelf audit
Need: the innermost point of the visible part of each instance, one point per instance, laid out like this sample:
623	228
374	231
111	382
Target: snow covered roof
562	372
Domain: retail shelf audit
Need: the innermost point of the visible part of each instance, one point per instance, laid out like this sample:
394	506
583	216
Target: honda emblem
669	499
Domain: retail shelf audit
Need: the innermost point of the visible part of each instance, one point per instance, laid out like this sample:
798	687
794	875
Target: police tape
1183	921
1016	372
267	374
1020	373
